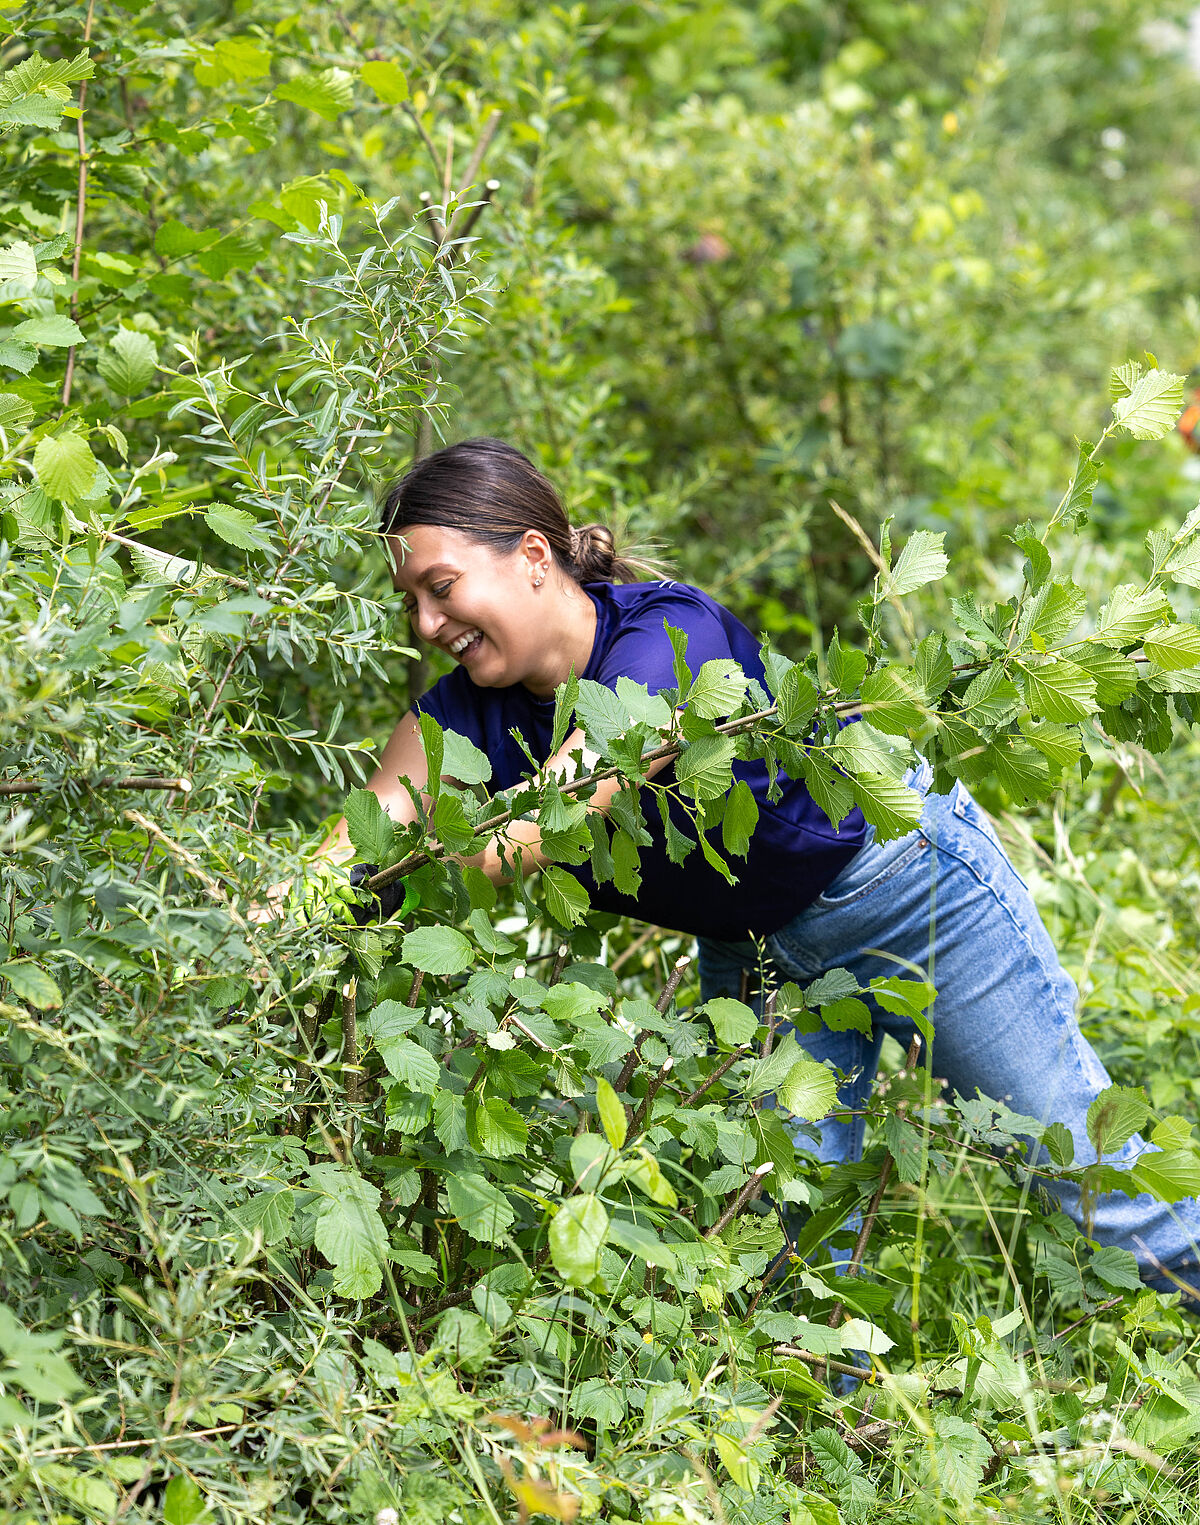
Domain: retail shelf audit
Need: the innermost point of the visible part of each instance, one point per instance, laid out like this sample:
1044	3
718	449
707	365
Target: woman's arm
402	757
526	834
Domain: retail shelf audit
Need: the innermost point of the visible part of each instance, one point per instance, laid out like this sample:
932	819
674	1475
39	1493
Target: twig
80	204
825	1363
726	1064
664	1000
1113	1302
414	995
747	1194
481	148
32	786
864	1234
643	1112
350	1067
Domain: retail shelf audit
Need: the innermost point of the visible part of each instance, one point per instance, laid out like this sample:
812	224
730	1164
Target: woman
493	575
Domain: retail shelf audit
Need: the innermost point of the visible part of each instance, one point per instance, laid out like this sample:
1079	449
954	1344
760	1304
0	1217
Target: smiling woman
492	574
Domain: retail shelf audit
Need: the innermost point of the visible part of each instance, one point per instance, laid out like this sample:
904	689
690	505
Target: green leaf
846	667
1053	613
740	819
921	561
410	1064
183	1503
1078	500
705	769
386	79
847	1014
233	58
495	1128
450	1121
1173	647
1114	1117
65	466
642	1242
719	688
1061	691
889	804
84	1489
1116	1268
1129	614
809	1090
1152	406
1170	1176
1183	564
830	791
566	899
328	93
991	698
958	1457
18	357
734	1023
173	239
612	1114
18	269
462	760
31	983
1060	1145
892	701
348	1230
437	950
271	1212
1115	676
15	412
55	332
796	698
482	1210
369	825
578	1231
129	362
236	527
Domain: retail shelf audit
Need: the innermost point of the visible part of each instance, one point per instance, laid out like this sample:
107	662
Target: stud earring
539	580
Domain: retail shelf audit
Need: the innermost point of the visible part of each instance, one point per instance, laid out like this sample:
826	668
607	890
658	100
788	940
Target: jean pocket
894	858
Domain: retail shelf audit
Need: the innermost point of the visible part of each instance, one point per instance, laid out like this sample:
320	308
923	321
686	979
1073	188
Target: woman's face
481	607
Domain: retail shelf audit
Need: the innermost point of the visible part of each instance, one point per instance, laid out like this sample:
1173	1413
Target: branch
80	203
33	786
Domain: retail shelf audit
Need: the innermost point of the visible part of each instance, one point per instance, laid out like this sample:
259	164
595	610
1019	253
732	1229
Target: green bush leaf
1151	407
921	561
719	688
495	1128
129	362
236	527
705	769
410	1064
32	984
386	79
65	466
566	899
891	700
612	1114
183	1503
1114	1117
1060	691
740	819
733	1022
348	1230
1129	614
809	1090
437	950
18	268
1173	647
482	1210
577	1235
889	804
328	93
369	825
55	332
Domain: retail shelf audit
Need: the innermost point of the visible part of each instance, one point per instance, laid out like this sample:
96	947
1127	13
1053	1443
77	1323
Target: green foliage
306	1219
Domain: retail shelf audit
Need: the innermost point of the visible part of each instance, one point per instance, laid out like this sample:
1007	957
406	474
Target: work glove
397	896
325	893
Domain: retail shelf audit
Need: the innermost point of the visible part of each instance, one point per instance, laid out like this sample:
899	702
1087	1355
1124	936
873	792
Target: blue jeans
946	899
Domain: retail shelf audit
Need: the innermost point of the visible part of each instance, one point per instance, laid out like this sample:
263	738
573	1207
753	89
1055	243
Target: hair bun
593	553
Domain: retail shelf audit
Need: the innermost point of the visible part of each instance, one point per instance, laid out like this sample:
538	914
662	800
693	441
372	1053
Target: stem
860	1247
747	1194
825	1363
80	204
32	786
664	1000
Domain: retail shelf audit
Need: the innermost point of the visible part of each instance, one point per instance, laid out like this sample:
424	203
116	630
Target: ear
536	551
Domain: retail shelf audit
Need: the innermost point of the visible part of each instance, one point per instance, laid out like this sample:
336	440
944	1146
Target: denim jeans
946	899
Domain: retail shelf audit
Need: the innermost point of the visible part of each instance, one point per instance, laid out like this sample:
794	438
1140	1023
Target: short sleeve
642	650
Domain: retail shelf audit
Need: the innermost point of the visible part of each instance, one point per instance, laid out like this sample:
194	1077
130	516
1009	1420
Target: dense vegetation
465	1215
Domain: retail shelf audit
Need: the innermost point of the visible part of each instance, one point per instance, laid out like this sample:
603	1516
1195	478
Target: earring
539	580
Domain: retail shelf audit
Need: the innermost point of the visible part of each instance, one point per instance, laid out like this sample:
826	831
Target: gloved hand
397	896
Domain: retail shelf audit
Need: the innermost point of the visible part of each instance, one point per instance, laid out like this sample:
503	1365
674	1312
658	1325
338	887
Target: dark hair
491	492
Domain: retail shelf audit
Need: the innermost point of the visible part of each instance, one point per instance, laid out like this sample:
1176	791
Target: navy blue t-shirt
794	852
